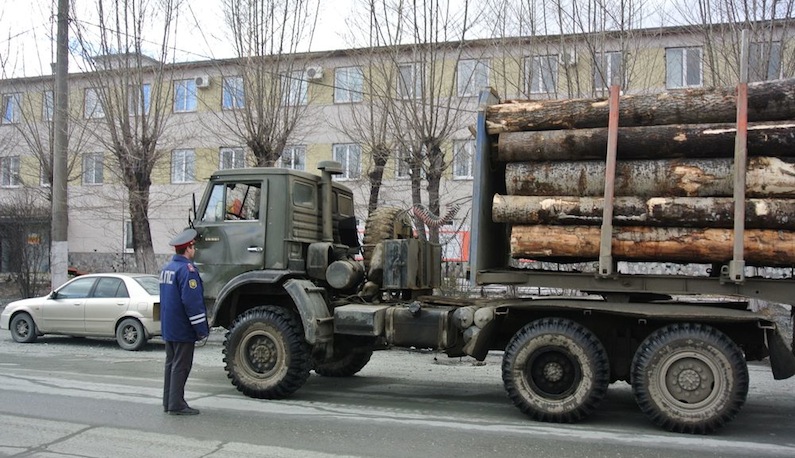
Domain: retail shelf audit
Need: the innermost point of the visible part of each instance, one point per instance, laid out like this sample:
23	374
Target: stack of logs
674	176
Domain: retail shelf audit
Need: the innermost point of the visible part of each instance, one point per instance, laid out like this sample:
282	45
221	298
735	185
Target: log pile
674	176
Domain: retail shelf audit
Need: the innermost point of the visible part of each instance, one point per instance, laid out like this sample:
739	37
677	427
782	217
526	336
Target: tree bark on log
650	142
767	101
765	177
699	212
703	246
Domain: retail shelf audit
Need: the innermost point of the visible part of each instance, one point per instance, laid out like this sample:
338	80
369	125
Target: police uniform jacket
182	311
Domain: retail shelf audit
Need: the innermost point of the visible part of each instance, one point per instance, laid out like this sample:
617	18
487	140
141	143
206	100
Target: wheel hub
552	372
22	328
129	334
690	379
262	354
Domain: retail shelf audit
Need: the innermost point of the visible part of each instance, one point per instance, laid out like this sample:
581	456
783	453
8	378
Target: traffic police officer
183	320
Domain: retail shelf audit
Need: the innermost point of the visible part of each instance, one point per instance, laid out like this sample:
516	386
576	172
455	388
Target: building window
233	158
348	84
183	166
185	96
409	81
92	107
93	168
403	168
11	108
607	70
48	106
9	171
293	157
140	99
294	89
44	176
682	67
463	156
764	61
349	155
542	74
128	237
473	75
234	95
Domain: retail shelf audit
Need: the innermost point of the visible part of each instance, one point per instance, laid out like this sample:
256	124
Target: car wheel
130	334
23	329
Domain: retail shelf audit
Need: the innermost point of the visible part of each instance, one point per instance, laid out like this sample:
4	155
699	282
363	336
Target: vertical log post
606	265
737	264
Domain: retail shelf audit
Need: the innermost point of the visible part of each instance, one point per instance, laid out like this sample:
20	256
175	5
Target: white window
48	106
232	158
409	81
764	61
11	108
183	166
349	155
683	67
607	70
348	84
463	156
185	96
9	171
140	99
293	157
93	168
128	237
234	95
542	74
403	167
92	106
473	76
294	89
44	175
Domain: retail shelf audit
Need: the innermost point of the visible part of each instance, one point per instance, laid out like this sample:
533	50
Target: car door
108	302
63	311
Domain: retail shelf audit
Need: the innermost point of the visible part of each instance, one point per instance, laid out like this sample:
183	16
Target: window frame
93	167
233	93
757	51
128	237
604	70
295	150
92	100
534	68
348	84
9	172
295	89
12	108
238	157
48	105
415	85
185	98
475	81
466	146
350	156
134	99
187	159
684	70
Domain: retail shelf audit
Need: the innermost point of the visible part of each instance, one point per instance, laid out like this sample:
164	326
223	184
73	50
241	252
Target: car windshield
150	283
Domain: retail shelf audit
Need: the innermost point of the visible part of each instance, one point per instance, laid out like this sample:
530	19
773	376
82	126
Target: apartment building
203	101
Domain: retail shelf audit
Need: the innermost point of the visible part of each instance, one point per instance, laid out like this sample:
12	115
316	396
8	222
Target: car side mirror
53	295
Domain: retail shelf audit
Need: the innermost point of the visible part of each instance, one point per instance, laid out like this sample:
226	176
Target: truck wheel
689	378
345	366
555	370
265	353
23	328
384	223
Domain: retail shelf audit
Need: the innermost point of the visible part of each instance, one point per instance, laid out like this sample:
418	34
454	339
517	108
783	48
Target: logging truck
286	274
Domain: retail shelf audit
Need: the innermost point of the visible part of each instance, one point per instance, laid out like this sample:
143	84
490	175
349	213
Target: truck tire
555	370
23	328
265	354
345	366
384	223
689	378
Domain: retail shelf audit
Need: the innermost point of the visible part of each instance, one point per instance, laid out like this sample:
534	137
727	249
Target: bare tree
264	89
128	101
24	235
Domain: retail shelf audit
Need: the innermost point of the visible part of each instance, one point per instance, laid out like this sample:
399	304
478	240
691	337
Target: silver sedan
124	306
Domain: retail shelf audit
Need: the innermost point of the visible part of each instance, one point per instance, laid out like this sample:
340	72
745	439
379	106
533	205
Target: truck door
231	233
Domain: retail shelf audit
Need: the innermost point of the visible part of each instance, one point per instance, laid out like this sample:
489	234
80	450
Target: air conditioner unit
202	81
314	73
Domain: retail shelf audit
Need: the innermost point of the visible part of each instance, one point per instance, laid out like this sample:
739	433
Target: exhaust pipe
327	169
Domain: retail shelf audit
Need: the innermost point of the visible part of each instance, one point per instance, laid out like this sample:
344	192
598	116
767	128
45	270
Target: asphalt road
73	397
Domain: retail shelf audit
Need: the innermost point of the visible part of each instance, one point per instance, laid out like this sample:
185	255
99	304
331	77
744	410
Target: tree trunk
767	101
762	247
651	142
765	177
713	212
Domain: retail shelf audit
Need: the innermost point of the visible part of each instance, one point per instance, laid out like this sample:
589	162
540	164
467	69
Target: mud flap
782	360
478	346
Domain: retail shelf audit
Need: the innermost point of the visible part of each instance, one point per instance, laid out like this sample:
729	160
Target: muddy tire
555	370
345	366
265	354
23	328
689	378
384	223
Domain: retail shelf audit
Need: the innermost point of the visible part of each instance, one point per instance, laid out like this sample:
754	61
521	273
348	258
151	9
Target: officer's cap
183	239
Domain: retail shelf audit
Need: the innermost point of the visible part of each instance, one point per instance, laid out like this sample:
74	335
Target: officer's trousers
179	361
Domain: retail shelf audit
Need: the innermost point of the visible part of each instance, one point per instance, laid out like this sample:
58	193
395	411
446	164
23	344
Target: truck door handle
254	249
